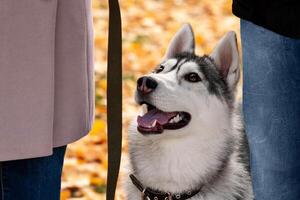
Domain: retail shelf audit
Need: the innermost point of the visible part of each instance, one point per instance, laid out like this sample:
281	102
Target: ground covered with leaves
147	28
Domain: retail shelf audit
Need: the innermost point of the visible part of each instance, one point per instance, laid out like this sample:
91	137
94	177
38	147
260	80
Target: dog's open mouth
154	121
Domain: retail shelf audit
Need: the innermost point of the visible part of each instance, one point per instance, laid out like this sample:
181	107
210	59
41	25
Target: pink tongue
155	114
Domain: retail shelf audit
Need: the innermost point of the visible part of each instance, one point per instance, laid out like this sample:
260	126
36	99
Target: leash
114	97
150	194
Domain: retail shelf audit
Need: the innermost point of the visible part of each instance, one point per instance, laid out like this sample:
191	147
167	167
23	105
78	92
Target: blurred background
148	26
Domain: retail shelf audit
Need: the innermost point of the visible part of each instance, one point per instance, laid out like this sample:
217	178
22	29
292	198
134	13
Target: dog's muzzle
154	121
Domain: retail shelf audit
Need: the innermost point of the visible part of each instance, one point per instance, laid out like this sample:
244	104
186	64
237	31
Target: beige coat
46	75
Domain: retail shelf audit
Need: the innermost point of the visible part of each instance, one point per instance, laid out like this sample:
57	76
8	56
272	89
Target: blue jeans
271	106
32	179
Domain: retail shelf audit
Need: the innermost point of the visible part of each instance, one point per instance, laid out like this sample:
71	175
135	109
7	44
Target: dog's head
187	92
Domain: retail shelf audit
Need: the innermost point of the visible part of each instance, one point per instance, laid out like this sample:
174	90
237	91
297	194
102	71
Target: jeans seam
2	188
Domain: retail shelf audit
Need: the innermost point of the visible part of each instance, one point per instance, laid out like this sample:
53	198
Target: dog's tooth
175	119
180	117
171	121
154	123
144	109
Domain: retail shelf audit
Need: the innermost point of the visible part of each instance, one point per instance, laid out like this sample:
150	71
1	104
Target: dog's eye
159	69
192	77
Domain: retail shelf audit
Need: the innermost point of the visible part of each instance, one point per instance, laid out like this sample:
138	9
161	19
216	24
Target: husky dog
189	141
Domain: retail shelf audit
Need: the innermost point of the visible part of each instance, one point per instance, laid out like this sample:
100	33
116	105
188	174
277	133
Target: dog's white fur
180	160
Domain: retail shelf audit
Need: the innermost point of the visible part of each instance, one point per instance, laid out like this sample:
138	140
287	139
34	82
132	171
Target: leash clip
169	196
144	196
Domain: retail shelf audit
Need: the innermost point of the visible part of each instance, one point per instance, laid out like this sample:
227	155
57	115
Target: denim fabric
271	106
32	179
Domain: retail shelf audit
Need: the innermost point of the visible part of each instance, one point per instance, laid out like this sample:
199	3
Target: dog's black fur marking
175	66
217	83
243	148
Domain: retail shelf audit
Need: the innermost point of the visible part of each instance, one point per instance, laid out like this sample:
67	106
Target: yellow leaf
99	127
103	84
97	181
105	163
65	194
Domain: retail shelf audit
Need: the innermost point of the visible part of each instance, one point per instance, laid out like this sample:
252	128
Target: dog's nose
146	84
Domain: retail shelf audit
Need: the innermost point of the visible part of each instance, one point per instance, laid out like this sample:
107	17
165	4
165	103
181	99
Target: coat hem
48	152
27	156
72	140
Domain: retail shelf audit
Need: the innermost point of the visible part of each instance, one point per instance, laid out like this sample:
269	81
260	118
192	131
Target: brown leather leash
114	97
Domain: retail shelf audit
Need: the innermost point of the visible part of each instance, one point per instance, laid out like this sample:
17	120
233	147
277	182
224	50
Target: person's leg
32	179
271	106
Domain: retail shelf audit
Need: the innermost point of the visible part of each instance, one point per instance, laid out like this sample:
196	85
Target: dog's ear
226	57
183	41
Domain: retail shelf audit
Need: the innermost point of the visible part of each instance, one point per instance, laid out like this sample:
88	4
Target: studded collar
150	194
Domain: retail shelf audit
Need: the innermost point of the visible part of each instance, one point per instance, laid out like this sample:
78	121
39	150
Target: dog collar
150	194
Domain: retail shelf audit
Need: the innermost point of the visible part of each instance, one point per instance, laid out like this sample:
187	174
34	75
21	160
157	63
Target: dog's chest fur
186	163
